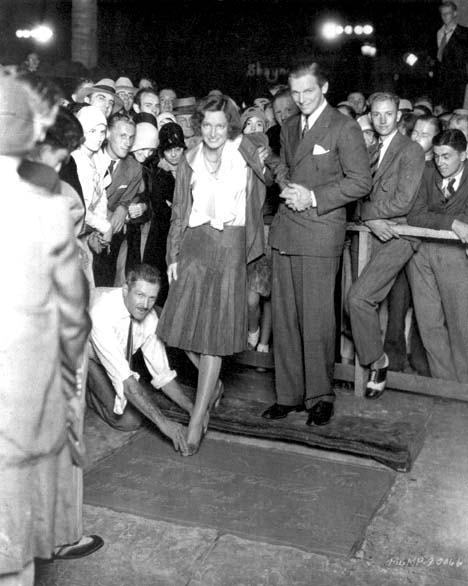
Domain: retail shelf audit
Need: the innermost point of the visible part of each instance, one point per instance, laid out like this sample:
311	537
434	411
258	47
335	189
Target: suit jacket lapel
390	154
295	136
313	136
464	177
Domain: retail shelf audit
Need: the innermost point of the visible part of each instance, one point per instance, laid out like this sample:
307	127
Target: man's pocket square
319	150
122	186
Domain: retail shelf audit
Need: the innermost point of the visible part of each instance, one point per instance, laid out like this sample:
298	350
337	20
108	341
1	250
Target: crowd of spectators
231	221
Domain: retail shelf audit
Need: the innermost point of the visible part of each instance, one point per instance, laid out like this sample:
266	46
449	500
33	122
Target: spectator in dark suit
398	165
452	50
327	167
438	272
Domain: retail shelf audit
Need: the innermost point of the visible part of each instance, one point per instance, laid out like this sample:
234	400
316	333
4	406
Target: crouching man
124	333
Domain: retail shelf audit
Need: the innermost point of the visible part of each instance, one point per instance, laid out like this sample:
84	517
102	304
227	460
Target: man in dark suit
438	272
452	56
326	167
125	184
397	164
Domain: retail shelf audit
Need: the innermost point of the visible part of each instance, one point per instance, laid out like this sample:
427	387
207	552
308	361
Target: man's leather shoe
320	413
277	411
377	381
86	546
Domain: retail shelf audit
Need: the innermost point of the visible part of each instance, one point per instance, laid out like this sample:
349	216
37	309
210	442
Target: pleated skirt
206	309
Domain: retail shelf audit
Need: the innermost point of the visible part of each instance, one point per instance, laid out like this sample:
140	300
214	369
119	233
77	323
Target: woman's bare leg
266	323
208	375
194	358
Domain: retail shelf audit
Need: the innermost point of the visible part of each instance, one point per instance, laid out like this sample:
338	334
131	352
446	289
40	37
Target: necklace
212	166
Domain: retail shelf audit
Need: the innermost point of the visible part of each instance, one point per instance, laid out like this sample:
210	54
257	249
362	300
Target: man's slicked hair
144	90
436	124
284	93
383	96
143	272
304	67
451	137
119	117
448	4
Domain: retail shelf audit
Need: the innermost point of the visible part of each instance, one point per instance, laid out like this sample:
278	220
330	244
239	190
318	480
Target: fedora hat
105	86
124	84
185	106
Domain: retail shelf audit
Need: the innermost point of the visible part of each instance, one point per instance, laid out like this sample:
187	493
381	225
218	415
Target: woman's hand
136	210
94	243
172	272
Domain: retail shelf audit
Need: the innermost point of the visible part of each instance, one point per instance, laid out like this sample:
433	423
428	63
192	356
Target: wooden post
84	32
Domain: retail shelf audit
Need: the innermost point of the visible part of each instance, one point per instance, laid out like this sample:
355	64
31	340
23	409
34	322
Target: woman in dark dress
171	149
216	229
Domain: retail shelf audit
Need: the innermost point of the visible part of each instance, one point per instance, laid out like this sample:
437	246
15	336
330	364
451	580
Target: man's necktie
374	160
129	352
305	127
442	45
450	190
110	168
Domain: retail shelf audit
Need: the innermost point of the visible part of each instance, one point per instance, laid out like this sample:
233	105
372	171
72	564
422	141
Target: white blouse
219	198
94	193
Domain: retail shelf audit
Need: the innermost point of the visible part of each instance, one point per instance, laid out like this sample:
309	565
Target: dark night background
196	45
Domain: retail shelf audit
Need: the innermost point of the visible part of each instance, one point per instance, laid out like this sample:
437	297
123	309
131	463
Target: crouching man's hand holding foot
144	400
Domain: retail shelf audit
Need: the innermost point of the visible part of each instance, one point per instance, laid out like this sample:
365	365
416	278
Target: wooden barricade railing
398	380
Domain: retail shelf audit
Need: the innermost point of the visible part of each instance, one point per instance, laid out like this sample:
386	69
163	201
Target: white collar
311	119
457	177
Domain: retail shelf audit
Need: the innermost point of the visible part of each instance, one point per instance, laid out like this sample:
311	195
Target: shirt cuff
313	199
163	378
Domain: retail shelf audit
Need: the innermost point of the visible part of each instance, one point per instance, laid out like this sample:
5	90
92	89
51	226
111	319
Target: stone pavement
419	536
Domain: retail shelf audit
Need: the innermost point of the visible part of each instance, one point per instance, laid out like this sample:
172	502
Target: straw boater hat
185	106
105	86
123	83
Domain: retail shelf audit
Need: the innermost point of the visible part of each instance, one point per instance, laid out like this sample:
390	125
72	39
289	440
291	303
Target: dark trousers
304	327
100	397
370	289
439	275
399	300
105	264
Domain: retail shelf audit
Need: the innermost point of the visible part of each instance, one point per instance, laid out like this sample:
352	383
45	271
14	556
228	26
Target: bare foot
196	431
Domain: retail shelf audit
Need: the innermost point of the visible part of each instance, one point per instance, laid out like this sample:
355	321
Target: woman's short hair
216	103
65	133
